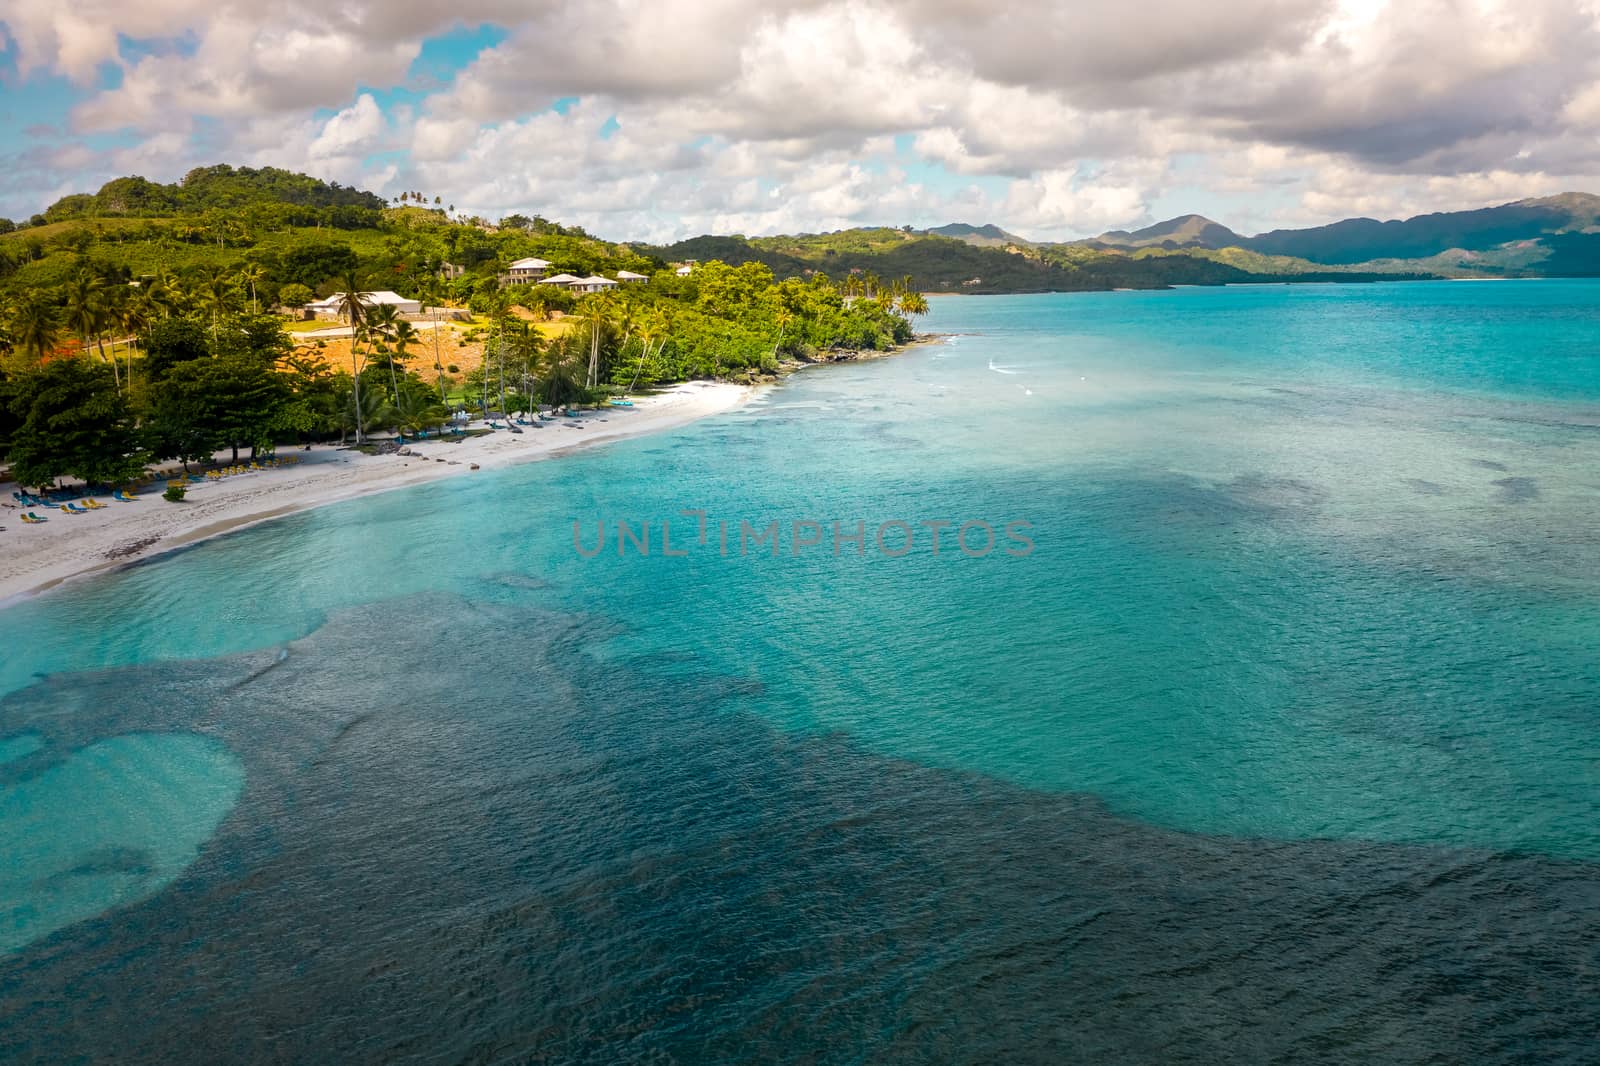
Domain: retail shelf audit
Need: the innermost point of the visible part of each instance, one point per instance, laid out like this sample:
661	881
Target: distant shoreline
1273	283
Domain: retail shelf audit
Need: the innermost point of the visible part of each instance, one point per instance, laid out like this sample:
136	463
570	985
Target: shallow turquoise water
1313	566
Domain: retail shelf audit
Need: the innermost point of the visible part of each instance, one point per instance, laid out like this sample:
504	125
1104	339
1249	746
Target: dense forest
140	323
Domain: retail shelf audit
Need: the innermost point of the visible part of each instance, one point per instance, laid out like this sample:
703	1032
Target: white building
523	271
593	283
628	277
328	307
684	271
561	280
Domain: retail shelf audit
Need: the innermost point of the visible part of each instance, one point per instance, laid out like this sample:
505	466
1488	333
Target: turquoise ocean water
1280	742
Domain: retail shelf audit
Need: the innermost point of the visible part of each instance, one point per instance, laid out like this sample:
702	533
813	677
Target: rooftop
383	296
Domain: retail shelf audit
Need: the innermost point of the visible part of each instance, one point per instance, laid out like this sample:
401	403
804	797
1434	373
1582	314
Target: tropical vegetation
151	322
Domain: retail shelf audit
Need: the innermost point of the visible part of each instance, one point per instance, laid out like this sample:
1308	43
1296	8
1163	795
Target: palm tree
372	409
498	303
396	335
438	367
354	307
109	307
912	302
561	370
36	327
250	275
135	316
86	314
163	294
381	323
599	306
785	319
214	294
652	324
416	413
402	336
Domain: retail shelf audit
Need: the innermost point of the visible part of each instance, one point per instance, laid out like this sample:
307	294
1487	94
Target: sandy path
34	558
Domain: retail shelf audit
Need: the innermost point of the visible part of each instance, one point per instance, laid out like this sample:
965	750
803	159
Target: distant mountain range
1552	235
1555	236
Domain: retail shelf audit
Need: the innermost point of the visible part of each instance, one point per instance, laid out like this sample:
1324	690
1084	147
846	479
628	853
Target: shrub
175	493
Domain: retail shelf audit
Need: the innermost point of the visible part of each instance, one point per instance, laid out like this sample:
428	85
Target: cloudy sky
666	118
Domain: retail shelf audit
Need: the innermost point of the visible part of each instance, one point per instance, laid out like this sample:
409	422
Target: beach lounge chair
93	505
33	519
124	497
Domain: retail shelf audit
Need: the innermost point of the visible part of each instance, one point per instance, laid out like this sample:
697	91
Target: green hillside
1549	236
973	264
294	229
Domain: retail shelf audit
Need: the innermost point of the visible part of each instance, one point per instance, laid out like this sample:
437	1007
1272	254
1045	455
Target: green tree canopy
71	420
171	341
229	401
8	416
257	337
295	294
313	262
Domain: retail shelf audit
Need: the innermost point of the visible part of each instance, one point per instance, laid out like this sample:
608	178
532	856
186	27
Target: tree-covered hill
986	236
961	264
1550	236
1357	240
210	188
293	230
1184	231
935	264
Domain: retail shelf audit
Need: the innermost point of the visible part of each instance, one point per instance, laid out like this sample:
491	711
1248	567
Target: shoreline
35	560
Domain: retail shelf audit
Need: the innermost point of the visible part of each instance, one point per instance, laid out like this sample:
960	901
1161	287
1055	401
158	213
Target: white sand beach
35	558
